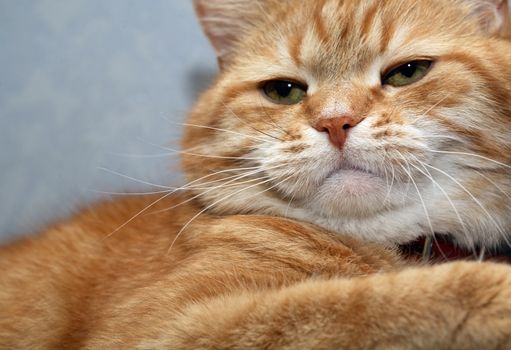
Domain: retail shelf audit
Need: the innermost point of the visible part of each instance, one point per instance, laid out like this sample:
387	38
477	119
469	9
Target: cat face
385	120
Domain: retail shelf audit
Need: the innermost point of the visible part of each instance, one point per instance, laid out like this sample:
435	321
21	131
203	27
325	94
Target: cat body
237	282
305	150
129	289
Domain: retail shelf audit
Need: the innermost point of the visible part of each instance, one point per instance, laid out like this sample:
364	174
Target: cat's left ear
493	16
224	22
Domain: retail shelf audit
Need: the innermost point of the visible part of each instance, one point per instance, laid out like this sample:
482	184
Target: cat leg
451	306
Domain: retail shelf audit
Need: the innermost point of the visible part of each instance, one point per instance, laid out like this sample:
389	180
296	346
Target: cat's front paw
483	292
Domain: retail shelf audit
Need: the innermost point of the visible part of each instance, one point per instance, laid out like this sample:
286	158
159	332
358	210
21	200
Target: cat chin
389	228
401	224
353	193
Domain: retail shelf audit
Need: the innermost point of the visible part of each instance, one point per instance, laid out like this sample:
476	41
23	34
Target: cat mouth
350	166
442	248
357	174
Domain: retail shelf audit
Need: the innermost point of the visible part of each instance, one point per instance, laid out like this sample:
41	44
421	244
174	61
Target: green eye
284	92
407	73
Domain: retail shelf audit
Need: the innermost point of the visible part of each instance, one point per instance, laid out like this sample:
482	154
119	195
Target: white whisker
431	108
226	130
482	254
426	173
250	126
127	194
446	137
492	219
408	172
162	198
293	190
270	118
134	179
221	200
176	152
389	188
138	214
223	185
471	155
493	183
142	156
197	147
217	157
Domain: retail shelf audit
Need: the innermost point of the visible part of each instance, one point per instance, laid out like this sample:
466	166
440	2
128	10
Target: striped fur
191	271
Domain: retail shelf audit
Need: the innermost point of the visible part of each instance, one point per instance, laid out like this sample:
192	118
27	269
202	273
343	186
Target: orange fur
224	268
236	282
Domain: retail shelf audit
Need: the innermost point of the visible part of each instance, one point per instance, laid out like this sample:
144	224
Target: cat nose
337	128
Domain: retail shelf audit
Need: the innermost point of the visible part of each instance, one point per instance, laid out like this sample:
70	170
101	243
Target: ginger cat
337	131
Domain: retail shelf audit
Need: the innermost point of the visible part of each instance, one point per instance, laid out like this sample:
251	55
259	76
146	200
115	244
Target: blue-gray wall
82	82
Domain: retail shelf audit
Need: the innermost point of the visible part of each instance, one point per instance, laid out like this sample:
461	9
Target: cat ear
224	21
493	16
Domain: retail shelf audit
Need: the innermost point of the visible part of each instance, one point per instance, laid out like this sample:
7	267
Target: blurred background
90	89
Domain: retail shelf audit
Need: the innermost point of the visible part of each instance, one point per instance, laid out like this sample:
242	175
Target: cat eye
284	91
407	73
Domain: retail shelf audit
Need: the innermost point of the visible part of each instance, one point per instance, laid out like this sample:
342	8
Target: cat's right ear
224	22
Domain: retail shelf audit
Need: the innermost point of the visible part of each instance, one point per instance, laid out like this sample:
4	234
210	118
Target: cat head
386	120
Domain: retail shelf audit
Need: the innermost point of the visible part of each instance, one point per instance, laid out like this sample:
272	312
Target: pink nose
337	129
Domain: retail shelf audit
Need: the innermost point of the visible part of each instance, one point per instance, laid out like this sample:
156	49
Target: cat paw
483	291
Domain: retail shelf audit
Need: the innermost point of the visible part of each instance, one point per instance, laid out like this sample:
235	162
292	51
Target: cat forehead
338	18
337	35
